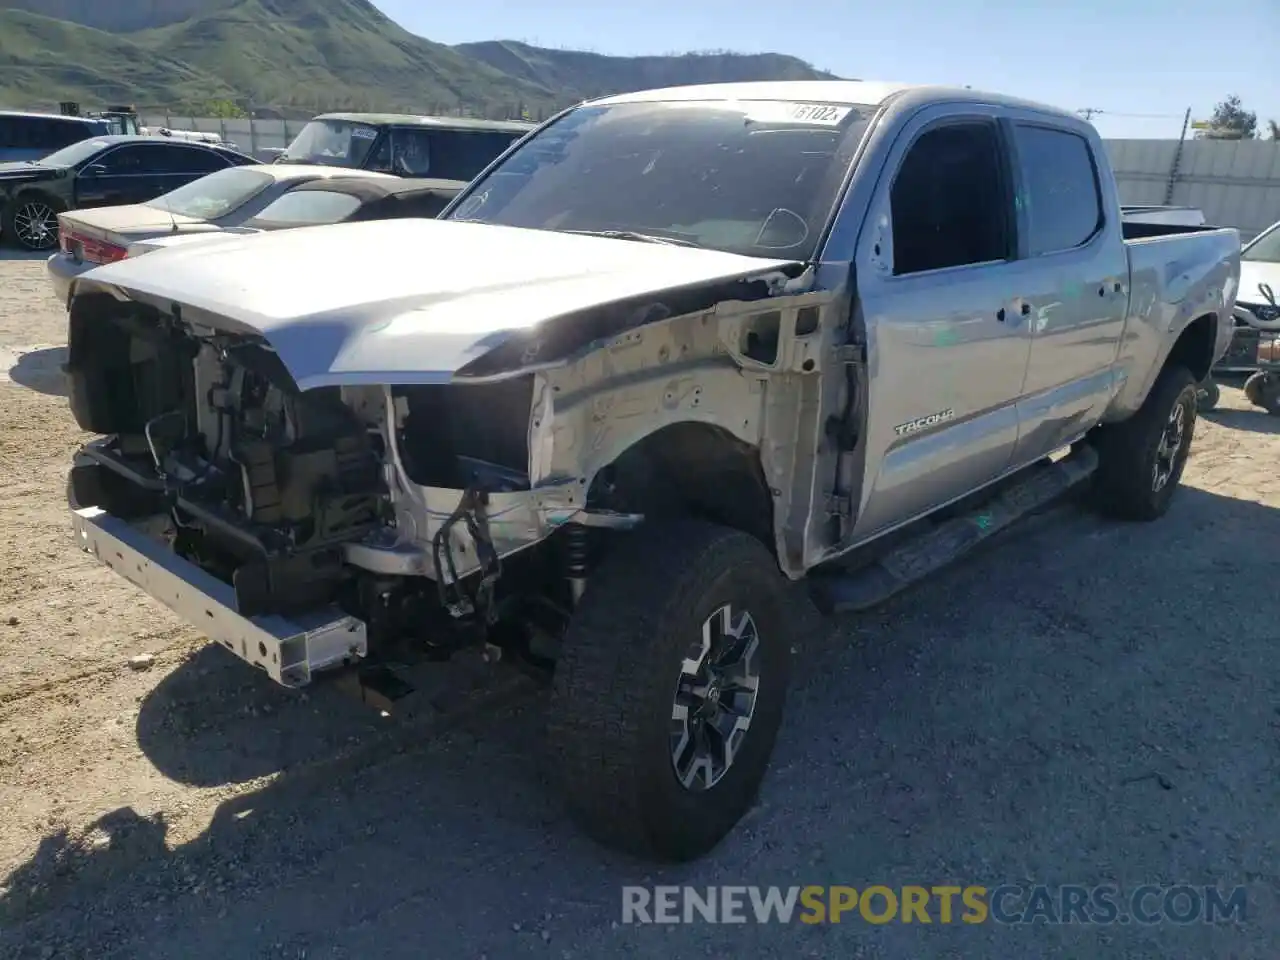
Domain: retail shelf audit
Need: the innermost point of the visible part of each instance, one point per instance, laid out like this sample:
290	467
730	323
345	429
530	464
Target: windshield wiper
634	235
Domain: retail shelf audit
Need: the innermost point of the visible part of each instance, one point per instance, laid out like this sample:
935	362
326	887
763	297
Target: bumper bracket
288	649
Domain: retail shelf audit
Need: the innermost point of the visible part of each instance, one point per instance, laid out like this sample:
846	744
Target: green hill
302	56
582	75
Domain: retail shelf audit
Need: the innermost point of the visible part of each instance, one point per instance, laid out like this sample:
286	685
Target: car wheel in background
31	221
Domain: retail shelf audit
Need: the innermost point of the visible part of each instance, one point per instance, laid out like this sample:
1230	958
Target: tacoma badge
911	426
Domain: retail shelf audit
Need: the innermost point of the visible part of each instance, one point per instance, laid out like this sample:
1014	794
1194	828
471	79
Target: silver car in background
221	201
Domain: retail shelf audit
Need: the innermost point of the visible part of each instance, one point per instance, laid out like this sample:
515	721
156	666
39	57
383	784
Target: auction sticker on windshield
819	114
365	133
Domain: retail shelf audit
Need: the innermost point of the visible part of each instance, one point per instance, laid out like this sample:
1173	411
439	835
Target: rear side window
55	134
43	133
172	158
1059	189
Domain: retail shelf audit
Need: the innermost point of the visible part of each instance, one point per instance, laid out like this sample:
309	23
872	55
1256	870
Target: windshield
74	154
338	143
757	178
307	207
215	195
122	123
1265	247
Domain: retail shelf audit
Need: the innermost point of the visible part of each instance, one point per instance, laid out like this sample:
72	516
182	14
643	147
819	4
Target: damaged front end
304	529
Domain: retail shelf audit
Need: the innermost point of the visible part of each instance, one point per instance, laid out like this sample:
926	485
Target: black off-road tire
1123	486
610	723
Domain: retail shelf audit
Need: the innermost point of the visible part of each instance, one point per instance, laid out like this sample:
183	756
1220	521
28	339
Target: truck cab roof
851	92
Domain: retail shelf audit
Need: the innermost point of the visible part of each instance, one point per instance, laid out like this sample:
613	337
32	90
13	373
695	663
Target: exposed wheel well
28	194
1194	346
691	469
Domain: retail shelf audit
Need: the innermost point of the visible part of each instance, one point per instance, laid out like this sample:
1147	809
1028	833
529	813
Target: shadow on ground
41	370
9	251
1089	703
1255	419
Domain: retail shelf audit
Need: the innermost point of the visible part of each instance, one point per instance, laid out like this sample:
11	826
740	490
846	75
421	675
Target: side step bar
942	544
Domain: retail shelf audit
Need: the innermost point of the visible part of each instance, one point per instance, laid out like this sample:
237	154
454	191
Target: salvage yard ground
1083	703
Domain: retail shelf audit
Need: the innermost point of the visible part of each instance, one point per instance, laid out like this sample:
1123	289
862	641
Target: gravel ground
1083	703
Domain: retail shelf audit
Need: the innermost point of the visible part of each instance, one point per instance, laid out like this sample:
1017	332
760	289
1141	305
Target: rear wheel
669	690
1140	460
31	221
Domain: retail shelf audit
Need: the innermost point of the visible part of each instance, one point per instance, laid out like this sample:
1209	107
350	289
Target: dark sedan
100	172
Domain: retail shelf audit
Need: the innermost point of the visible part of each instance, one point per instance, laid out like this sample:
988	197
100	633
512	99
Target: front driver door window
116	176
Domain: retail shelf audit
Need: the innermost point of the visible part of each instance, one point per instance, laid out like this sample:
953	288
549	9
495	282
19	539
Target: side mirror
94	170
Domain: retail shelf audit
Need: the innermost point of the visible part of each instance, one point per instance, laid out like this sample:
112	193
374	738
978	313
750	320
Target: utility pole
1177	159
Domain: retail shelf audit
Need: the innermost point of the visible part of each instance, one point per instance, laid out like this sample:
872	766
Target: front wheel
31	221
1140	460
669	691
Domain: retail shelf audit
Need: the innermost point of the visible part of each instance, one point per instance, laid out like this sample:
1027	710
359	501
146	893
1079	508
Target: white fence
256	137
1235	182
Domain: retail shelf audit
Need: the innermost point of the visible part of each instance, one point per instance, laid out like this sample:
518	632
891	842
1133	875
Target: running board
942	544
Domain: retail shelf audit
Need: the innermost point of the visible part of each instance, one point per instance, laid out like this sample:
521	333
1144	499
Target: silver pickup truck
670	352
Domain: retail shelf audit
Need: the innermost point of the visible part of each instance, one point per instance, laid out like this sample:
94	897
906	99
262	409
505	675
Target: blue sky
1142	62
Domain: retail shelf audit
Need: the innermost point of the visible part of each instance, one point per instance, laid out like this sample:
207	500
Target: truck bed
1139	230
1176	275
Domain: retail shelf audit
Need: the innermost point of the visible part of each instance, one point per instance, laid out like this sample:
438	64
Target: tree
1275	129
1231	121
222	110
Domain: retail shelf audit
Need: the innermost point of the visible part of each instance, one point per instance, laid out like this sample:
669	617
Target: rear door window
174	159
54	134
1060	189
303	207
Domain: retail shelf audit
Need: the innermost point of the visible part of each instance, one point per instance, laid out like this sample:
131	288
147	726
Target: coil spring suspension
577	558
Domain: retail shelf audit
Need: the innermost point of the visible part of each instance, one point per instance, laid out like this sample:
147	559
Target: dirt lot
1085	703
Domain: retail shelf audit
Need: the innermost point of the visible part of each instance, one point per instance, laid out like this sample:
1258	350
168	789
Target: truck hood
408	301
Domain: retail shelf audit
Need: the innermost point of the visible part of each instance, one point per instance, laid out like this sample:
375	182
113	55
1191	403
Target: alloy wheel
715	699
36	225
1170	446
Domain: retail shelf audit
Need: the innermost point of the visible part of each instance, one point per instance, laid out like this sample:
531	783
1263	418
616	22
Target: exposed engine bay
262	484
